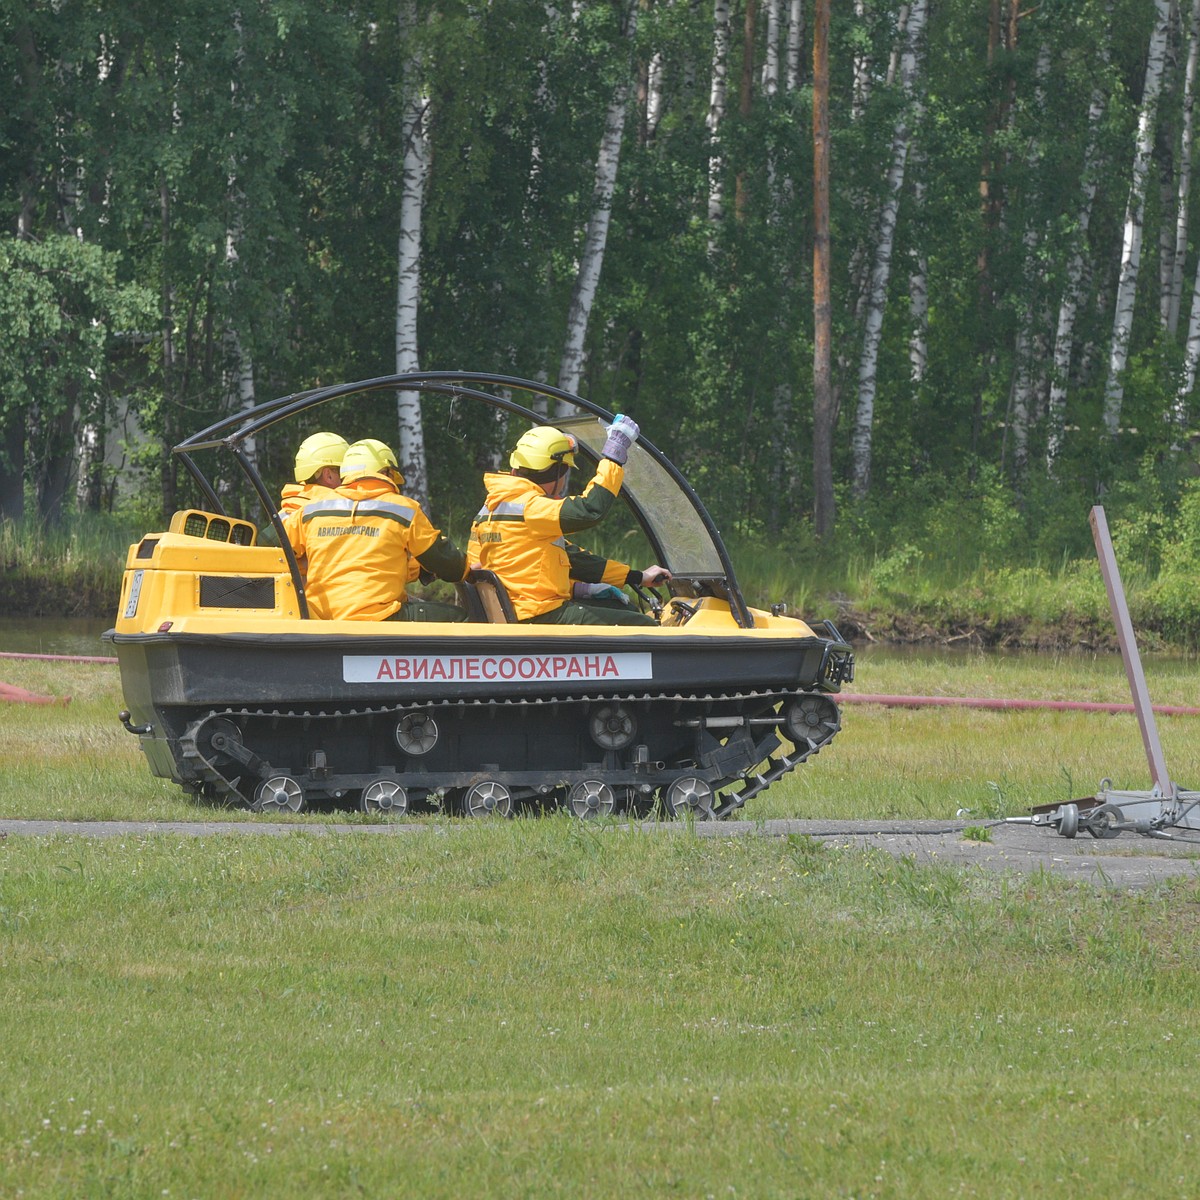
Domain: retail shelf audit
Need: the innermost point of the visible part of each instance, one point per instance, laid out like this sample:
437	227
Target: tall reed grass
69	569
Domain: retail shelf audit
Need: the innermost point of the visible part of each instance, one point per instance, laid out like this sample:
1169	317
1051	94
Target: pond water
54	635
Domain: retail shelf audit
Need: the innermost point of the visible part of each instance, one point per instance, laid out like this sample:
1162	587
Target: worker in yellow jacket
318	463
521	532
358	541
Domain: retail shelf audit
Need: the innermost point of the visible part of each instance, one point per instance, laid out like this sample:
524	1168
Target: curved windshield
666	511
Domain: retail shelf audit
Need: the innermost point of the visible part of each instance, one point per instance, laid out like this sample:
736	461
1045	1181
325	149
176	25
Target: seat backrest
493	596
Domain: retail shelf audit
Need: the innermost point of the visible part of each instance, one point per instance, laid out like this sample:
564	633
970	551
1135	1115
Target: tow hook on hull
126	719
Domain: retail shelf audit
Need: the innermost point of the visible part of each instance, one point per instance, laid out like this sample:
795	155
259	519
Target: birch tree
415	134
1064	334
239	371
770	67
881	267
861	88
715	118
918	283
1191	355
1022	384
1184	172
1131	249
587	277
795	46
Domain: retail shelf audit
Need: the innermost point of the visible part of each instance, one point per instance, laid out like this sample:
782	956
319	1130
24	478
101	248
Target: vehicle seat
492	596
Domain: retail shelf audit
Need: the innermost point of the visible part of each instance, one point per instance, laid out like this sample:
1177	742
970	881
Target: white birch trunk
795	45
239	368
410	450
1185	170
587	279
1022	393
877	297
861	88
654	93
1191	356
901	28
89	454
1166	237
770	67
918	286
716	115
1131	251
239	373
1064	335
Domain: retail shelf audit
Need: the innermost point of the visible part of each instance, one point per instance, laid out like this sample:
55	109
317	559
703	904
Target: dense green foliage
197	190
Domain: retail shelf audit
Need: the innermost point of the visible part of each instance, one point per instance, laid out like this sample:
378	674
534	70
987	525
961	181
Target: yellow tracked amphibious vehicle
240	697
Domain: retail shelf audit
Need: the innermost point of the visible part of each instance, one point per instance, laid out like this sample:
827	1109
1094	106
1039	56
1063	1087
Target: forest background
213	203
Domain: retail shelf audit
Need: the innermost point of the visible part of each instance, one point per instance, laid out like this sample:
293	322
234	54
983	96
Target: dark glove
622	433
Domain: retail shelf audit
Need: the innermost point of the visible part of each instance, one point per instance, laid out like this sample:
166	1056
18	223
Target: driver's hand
655	575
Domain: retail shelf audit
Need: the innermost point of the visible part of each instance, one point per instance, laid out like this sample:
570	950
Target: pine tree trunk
587	279
411	448
877	297
1131	251
824	408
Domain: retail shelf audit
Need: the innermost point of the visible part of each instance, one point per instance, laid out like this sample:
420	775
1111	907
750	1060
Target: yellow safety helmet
320	450
543	447
370	457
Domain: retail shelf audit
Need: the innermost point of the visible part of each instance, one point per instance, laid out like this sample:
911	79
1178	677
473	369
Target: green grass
552	1008
76	762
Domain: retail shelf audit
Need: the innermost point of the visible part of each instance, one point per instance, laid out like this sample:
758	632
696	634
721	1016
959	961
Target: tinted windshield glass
665	509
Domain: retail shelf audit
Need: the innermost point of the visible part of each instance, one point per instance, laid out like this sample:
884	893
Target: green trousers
428	610
595	613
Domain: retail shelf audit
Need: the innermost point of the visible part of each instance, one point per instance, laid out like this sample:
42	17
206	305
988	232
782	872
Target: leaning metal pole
1129	652
1111	812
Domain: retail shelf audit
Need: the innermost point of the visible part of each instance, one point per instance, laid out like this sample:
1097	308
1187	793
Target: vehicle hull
321	705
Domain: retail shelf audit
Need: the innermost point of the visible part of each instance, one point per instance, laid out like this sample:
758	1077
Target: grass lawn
77	763
550	1008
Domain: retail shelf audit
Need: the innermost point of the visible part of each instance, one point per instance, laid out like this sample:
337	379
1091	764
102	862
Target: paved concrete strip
1124	862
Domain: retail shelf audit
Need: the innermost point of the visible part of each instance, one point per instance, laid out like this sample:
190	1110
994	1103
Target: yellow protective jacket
297	495
520	534
358	540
